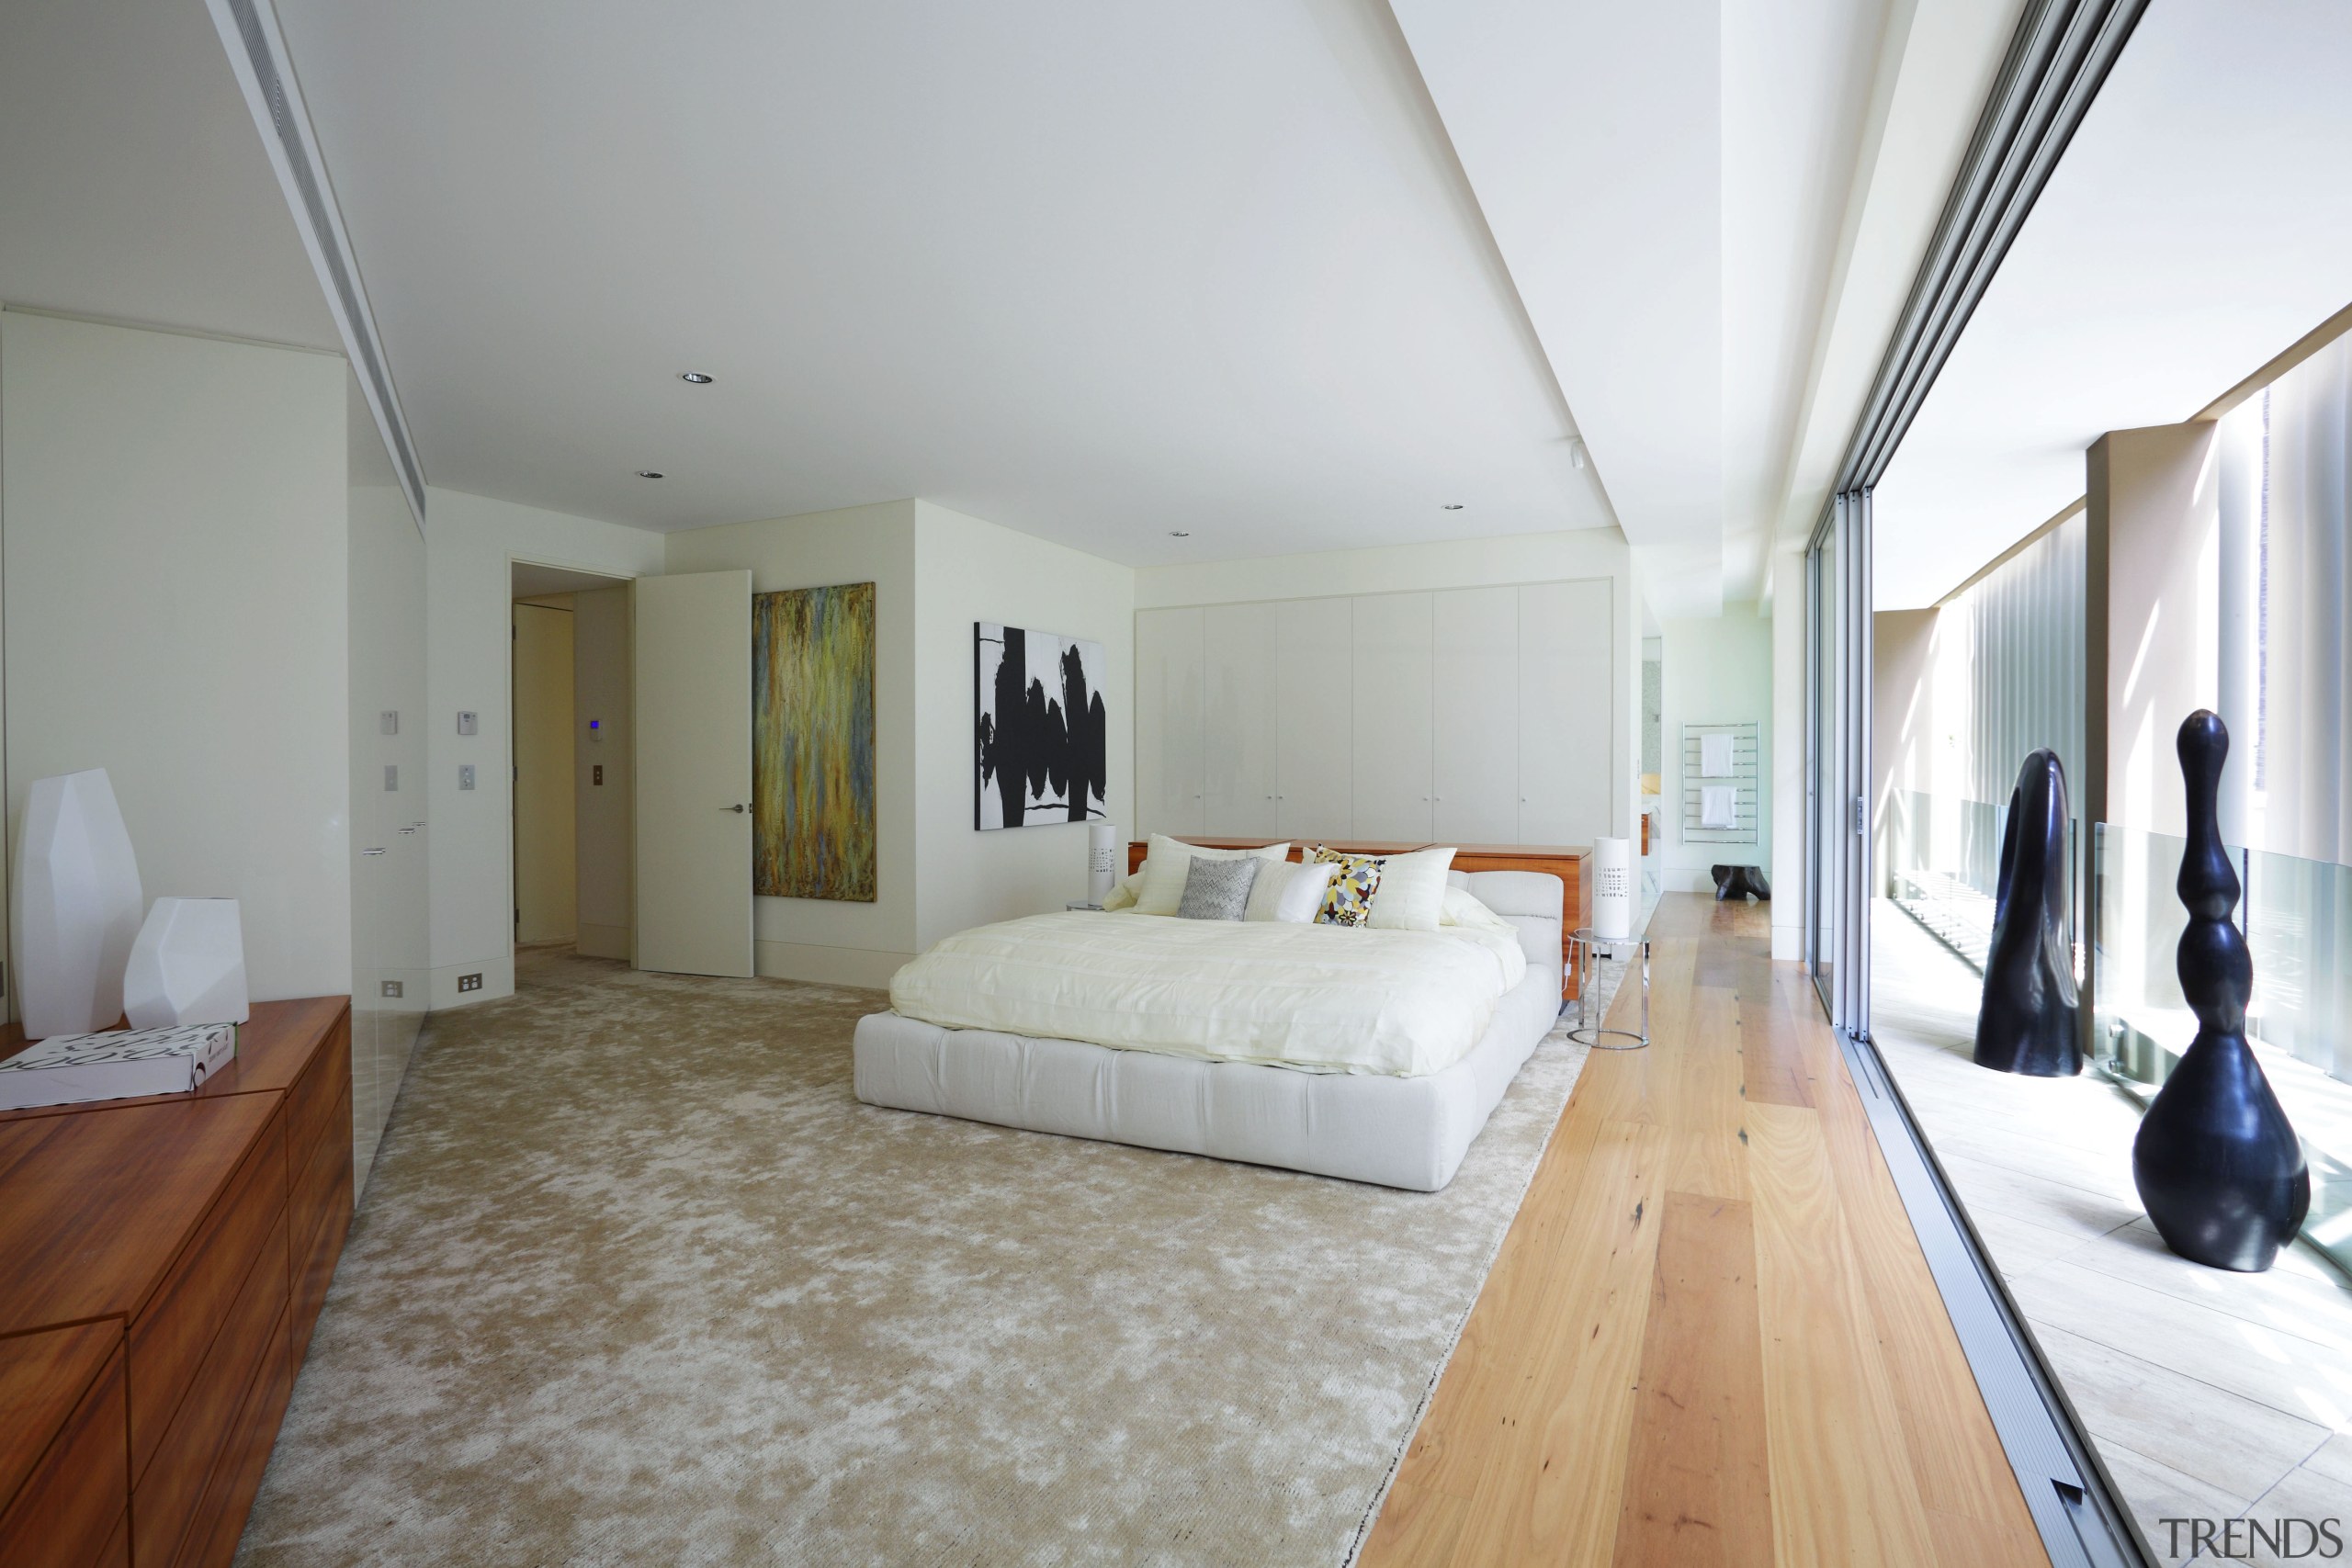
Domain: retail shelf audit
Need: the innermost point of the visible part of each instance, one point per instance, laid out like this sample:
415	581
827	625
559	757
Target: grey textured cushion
1216	889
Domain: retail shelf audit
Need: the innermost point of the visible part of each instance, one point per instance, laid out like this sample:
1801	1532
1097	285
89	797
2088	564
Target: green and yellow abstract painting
812	743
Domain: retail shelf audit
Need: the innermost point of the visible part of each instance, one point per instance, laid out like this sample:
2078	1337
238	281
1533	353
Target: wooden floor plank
1696	1490
1544	1442
1551	1465
1956	1459
1842	1488
1773	1066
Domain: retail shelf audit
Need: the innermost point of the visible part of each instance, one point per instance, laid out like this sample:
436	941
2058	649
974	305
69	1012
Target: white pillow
1411	892
1289	893
1122	897
1167	861
1461	907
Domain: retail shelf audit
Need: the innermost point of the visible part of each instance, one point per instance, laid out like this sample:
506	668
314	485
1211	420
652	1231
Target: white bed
1218	1070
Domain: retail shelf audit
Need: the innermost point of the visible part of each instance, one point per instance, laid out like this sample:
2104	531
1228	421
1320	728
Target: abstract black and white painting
1041	754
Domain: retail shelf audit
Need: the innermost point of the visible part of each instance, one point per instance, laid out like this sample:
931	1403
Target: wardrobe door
1567	721
1393	744
1239	659
1169	751
1474	793
1315	720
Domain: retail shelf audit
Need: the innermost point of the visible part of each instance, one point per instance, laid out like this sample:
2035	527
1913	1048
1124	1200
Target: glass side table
1586	953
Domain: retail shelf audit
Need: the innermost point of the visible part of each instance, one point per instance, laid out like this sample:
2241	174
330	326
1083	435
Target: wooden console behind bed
1567	863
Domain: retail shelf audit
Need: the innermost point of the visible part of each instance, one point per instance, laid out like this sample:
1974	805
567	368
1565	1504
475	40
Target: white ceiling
1287	277
2197	227
133	183
1097	272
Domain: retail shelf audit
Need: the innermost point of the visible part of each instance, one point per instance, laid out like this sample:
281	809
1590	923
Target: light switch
391	776
465	775
469	724
389	721
596	729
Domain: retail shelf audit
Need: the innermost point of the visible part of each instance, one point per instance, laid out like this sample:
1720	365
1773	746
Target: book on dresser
117	1064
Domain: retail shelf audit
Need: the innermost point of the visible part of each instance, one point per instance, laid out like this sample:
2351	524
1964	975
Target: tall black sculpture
2217	1163
2029	1020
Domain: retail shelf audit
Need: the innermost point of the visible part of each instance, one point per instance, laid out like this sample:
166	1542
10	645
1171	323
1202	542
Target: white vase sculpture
1102	862
1612	887
188	966
77	905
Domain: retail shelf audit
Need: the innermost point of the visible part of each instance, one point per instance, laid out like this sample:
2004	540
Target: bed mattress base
1394	1132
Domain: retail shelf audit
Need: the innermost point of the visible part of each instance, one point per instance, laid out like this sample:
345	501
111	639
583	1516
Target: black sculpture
1739	881
2217	1163
2029	1020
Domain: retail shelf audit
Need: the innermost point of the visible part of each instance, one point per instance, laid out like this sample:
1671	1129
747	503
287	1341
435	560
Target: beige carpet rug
635	1279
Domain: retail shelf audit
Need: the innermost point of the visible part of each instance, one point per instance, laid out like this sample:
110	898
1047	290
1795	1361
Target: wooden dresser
161	1263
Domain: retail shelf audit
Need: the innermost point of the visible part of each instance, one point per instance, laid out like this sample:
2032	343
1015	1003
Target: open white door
694	773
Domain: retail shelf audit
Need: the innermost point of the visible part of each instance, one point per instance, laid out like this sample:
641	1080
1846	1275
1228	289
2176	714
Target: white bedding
1326	998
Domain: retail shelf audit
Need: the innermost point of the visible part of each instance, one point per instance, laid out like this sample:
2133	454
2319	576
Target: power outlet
469	982
596	773
394	987
465	775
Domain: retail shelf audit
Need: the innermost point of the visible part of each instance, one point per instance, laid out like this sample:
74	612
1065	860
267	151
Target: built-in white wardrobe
1460	714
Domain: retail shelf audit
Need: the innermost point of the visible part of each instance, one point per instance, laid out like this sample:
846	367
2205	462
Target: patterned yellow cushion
1348	901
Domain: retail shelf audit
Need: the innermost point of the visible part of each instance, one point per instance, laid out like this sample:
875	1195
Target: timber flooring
1710	1337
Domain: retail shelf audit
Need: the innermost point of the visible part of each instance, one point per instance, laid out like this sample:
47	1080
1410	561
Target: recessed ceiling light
695	377
1178	534
649	473
1453	506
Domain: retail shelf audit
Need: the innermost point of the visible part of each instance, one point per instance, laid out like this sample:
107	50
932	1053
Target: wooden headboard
1569	863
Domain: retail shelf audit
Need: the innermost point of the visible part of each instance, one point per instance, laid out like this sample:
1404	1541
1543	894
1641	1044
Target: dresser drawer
228	1496
62	1512
326	1079
170	1337
314	1266
320	1171
165	1499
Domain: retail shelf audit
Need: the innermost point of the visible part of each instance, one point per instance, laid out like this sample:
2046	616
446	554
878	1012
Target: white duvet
1327	999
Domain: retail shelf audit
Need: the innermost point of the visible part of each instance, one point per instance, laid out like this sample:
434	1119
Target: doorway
572	780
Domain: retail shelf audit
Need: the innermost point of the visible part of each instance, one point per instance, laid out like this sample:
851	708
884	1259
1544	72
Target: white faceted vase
188	966
77	905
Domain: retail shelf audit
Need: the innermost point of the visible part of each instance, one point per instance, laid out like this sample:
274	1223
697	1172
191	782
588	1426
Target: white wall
1717	670
471	544
816	939
1468	563
967	570
604	812
177	612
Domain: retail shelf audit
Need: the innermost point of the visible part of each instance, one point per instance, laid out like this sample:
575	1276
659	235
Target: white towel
1714	757
1718	805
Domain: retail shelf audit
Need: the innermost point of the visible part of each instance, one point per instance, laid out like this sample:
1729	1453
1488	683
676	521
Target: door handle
738	809
371	851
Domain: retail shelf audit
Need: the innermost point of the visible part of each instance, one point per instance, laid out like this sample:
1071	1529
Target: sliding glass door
1837	654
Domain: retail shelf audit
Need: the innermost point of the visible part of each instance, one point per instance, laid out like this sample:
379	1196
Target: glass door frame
1837	583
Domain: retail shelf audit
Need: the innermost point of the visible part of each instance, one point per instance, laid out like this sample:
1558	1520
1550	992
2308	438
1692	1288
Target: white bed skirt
1396	1132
